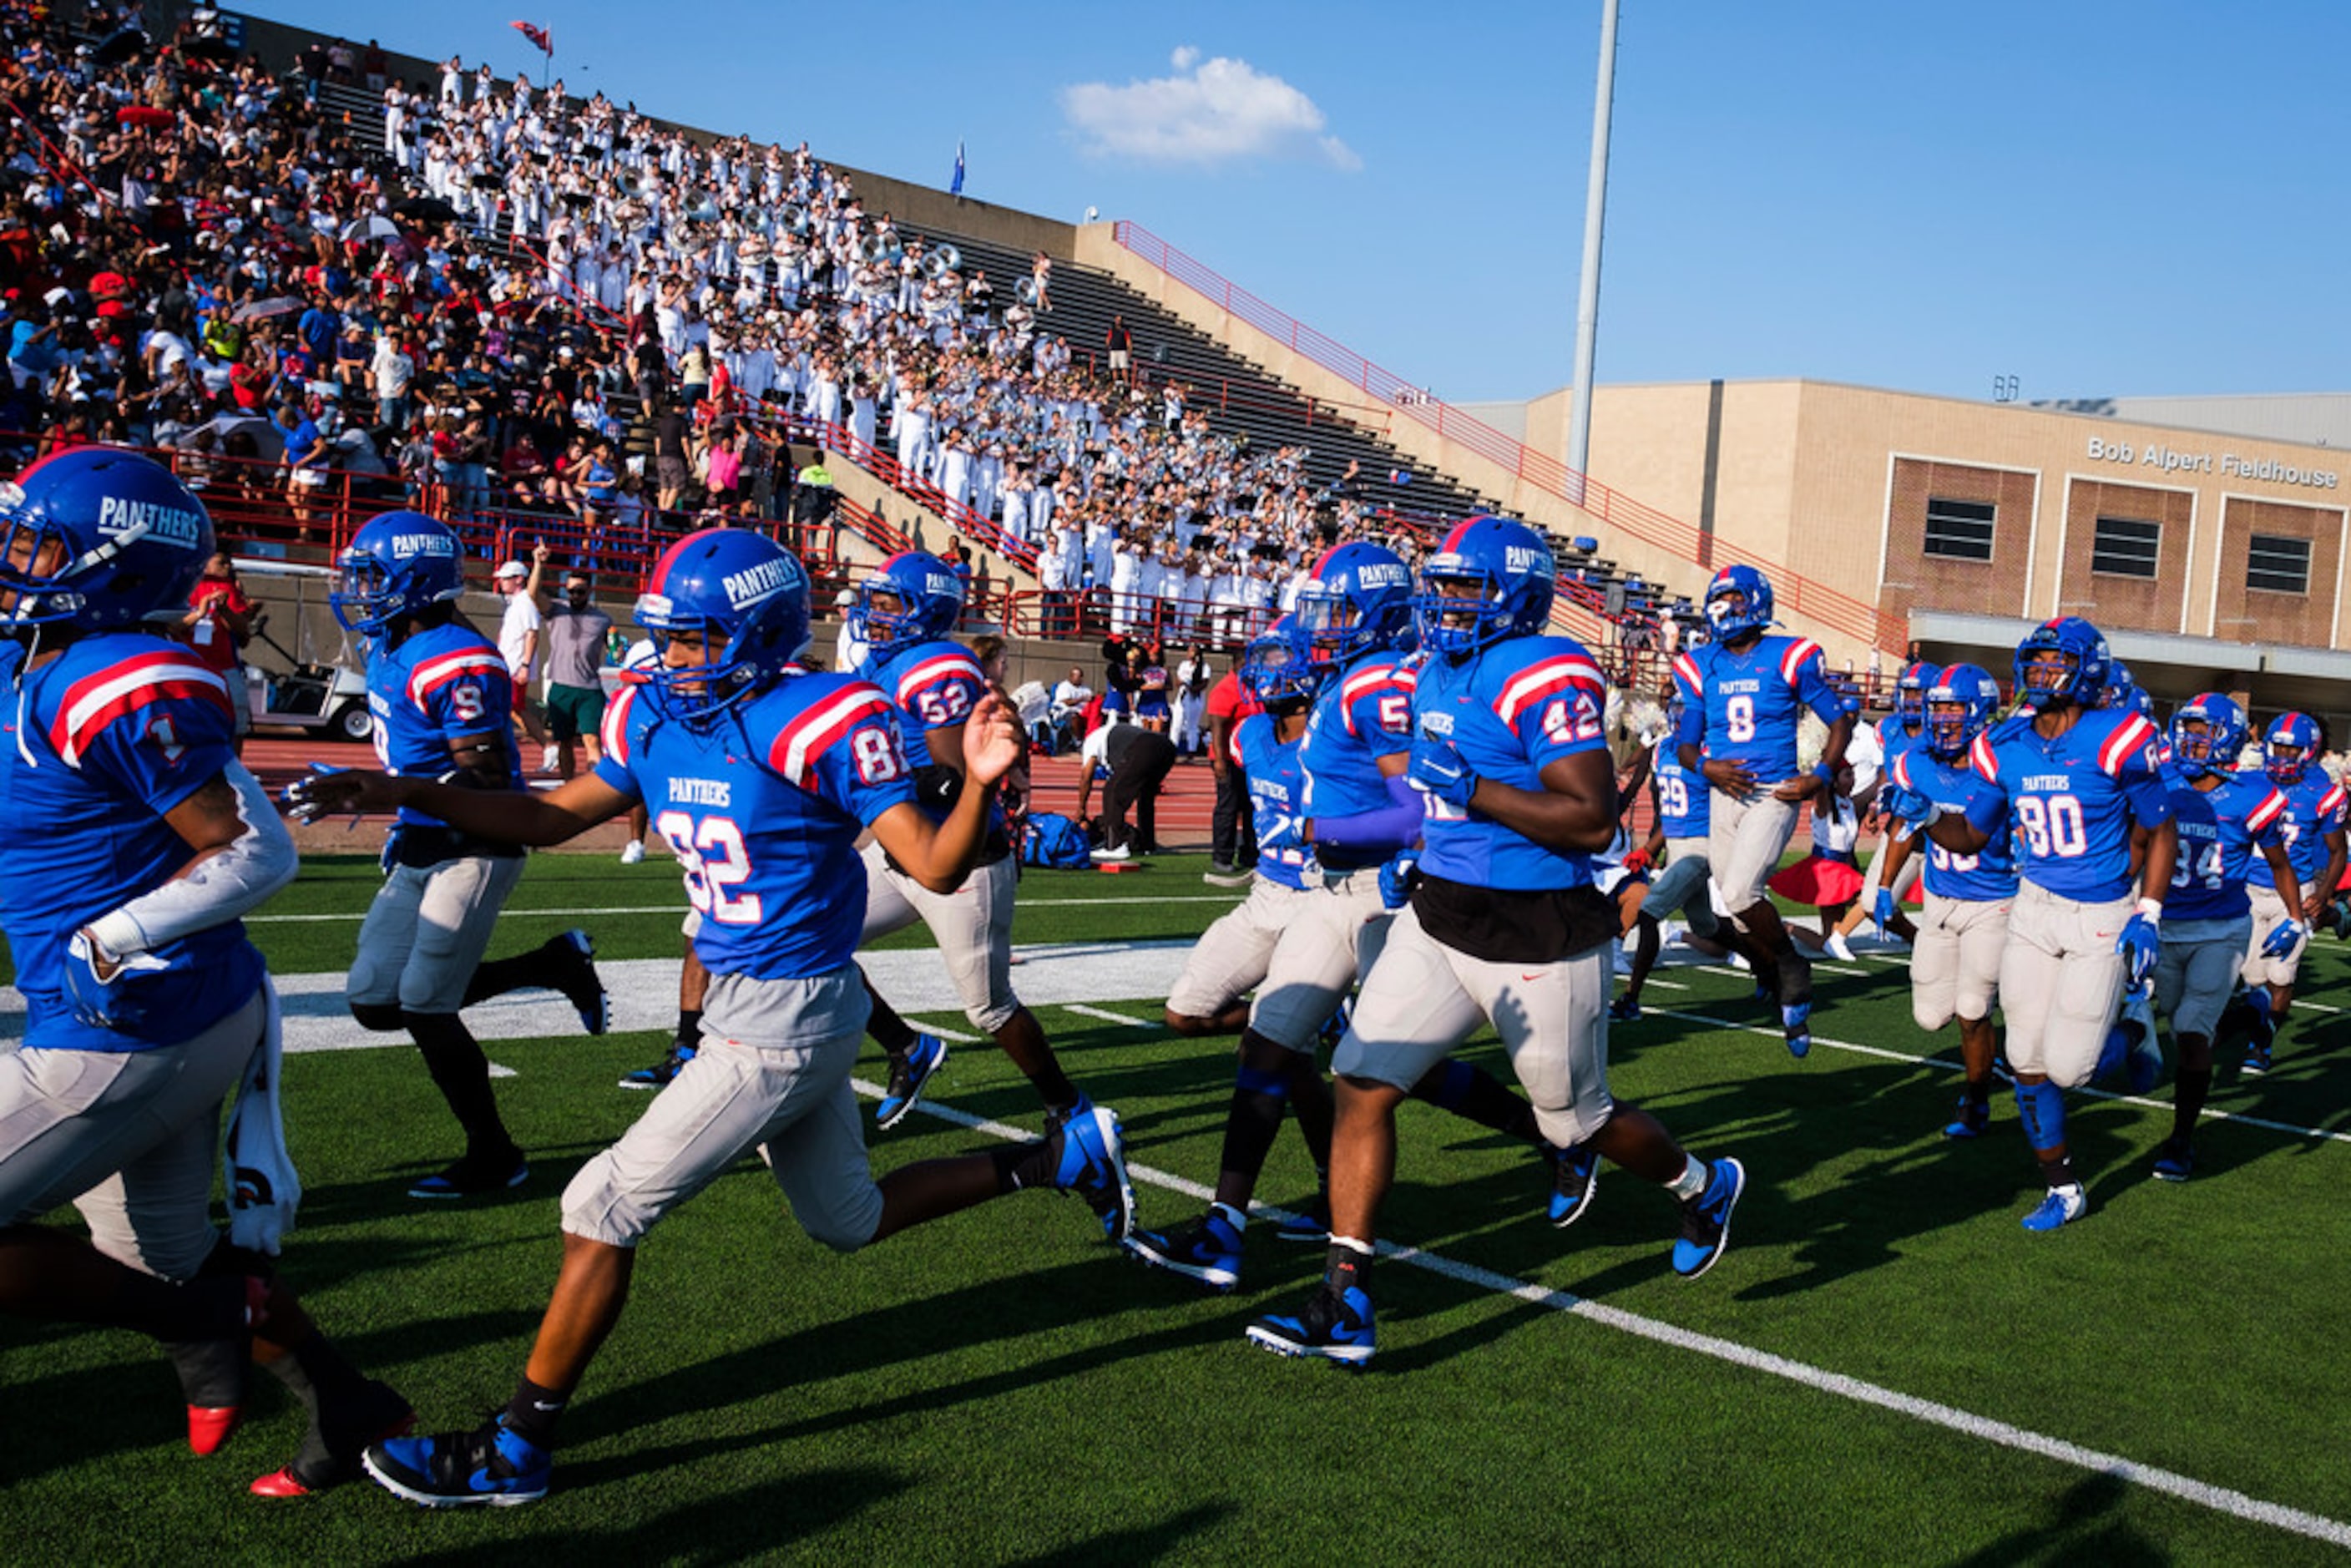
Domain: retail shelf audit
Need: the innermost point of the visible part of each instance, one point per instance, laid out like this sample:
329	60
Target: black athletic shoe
488	1465
658	1075
580	985
470	1177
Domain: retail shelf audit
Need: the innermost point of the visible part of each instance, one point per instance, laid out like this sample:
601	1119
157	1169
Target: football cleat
1574	1183
1311	1223
1210	1251
580	985
1797	1021
1092	1162
1625	1009
1974	1116
491	1464
213	1373
1705	1220
2062	1206
470	1177
658	1075
908	1076
2258	1059
331	1448
2176	1161
1336	1326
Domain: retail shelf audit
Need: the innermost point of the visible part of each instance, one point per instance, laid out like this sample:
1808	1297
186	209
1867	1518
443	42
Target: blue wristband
1825	774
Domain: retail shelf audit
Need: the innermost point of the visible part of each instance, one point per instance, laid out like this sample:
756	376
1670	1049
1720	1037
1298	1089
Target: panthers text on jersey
2219	829
1684	802
1512	709
2072	801
1985	877
1277	792
1746	707
763	809
112	735
1364	713
442	683
2315	807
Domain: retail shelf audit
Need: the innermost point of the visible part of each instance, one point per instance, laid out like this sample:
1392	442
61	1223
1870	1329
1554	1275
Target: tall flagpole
1587	301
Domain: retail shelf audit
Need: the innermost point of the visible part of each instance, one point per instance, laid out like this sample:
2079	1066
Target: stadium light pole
1587	299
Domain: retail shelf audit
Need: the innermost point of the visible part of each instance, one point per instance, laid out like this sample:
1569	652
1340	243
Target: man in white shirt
518	628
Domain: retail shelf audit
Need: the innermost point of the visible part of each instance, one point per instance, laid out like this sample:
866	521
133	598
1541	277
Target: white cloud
1210	111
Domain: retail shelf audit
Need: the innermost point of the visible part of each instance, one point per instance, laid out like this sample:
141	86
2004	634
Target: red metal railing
1853	616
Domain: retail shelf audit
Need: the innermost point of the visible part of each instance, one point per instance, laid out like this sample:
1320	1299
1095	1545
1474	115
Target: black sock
890	1031
1344	1268
1646	942
689	1029
462	1073
1260	1099
531	1414
1477	1095
2058	1172
2189	1091
541	967
1022	1165
1310	1103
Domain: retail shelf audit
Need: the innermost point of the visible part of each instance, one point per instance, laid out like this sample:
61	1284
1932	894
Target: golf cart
332	697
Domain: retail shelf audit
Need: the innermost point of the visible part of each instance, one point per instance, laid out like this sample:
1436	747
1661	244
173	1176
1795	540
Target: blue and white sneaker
2258	1060
488	1465
1210	1251
1574	1183
1625	1009
1705	1220
2062	1206
908	1079
1091	1163
1970	1121
1796	1019
659	1074
470	1177
1336	1326
2176	1161
2143	1062
1311	1223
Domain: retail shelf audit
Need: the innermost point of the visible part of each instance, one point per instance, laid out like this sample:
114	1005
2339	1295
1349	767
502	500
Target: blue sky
2095	197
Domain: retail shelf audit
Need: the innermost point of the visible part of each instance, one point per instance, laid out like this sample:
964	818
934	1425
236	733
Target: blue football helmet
748	595
1359	600
1957	706
1751	611
398	564
1280	666
2119	691
1509	568
928	599
2206	733
2290	747
2071	655
99	538
1910	692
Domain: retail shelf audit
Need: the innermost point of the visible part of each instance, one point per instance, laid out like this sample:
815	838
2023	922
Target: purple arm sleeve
1377	833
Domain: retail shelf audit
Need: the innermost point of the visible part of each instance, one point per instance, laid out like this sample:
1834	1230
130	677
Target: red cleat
209	1425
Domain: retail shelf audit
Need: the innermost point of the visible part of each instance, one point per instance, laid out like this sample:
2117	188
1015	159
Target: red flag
540	38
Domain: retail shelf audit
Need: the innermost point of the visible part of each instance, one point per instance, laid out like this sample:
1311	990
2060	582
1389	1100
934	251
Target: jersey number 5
713	858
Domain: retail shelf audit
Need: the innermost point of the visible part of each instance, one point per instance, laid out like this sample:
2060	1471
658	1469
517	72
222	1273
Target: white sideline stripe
1107	1016
679	909
2209	1113
2204	1494
499	1070
956	1036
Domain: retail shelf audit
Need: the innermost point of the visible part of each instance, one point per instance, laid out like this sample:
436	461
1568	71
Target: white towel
264	1189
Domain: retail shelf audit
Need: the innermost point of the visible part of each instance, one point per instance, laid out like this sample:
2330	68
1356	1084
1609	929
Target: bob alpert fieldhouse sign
2172	460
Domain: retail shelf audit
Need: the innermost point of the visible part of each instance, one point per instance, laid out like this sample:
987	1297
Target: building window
2275	564
1961	530
2125	547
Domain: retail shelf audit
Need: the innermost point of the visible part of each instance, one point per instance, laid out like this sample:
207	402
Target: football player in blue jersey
762	774
2089	817
1743	695
1504	925
2224	816
443	709
1895	734
1961	935
138	842
902	615
1679	798
2314	832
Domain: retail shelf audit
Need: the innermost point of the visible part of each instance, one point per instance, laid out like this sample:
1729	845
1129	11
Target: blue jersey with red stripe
1511	708
2314	806
1985	877
109	737
1684	800
935	685
1745	707
2073	800
1277	791
1362	714
2219	829
763	809
441	683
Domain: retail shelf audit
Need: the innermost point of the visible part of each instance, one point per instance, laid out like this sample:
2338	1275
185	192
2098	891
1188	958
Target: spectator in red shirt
1232	835
221	619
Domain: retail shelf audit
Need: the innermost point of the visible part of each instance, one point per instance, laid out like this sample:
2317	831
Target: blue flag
955	186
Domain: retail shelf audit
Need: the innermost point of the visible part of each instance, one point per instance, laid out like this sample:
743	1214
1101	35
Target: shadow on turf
751	1521
2080	1529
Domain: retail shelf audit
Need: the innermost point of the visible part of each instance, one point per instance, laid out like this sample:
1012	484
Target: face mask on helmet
1281	671
915	597
99	538
727	613
2062	660
1359	598
2290	748
1491	581
2207	733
